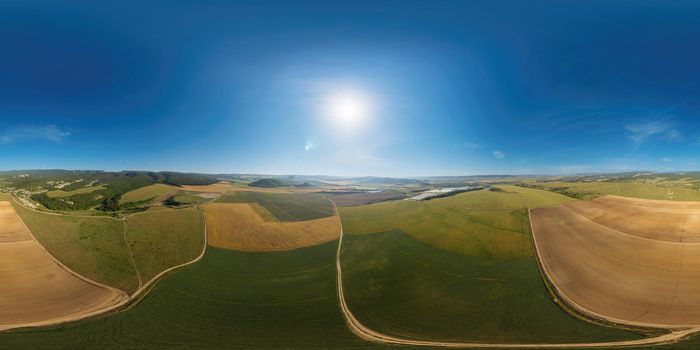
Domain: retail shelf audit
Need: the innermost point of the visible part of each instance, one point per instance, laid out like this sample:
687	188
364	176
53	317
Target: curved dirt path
53	292
368	334
127	302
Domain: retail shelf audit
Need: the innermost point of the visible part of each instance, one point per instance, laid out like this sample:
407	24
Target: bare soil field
238	226
670	221
626	260
36	289
219	187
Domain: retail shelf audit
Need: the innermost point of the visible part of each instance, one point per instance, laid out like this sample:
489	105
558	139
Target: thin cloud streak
33	133
640	133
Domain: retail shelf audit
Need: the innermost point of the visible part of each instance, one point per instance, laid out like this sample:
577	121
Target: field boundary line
127	302
594	315
366	333
623	232
63	266
122	294
144	288
131	255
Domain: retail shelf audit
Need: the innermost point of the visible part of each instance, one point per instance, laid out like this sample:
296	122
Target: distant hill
388	181
269	182
91	188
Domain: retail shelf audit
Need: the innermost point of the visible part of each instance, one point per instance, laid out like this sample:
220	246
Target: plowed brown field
238	226
35	289
626	260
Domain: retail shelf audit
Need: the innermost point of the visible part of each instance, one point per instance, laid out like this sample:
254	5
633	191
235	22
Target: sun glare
348	109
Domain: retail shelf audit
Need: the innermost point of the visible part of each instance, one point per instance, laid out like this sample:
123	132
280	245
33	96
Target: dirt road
125	303
368	334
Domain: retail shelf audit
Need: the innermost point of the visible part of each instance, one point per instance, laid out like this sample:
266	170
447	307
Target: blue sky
451	87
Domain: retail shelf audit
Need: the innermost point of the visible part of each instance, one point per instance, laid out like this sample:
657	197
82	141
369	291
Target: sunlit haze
348	109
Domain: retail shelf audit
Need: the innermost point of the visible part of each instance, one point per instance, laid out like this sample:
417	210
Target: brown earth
35	288
660	220
625	260
238	226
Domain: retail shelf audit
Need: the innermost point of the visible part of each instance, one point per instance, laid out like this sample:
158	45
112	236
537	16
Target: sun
348	109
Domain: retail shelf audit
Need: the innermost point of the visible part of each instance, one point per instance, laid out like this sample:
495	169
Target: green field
164	238
480	223
284	206
400	286
667	190
191	198
92	246
147	193
82	190
460	268
97	247
287	300
233	300
229	300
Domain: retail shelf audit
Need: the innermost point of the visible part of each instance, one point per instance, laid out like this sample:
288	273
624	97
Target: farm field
219	187
164	238
194	197
397	265
96	247
35	289
239	226
229	300
363	198
286	300
149	193
671	221
91	246
284	206
641	258
636	189
400	286
480	223
63	194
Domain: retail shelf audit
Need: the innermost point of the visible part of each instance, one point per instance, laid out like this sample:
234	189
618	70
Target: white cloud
498	154
666	160
33	133
471	145
639	133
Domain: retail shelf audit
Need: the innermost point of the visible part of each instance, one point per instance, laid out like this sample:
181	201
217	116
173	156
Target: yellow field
626	260
35	289
155	191
239	226
219	187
